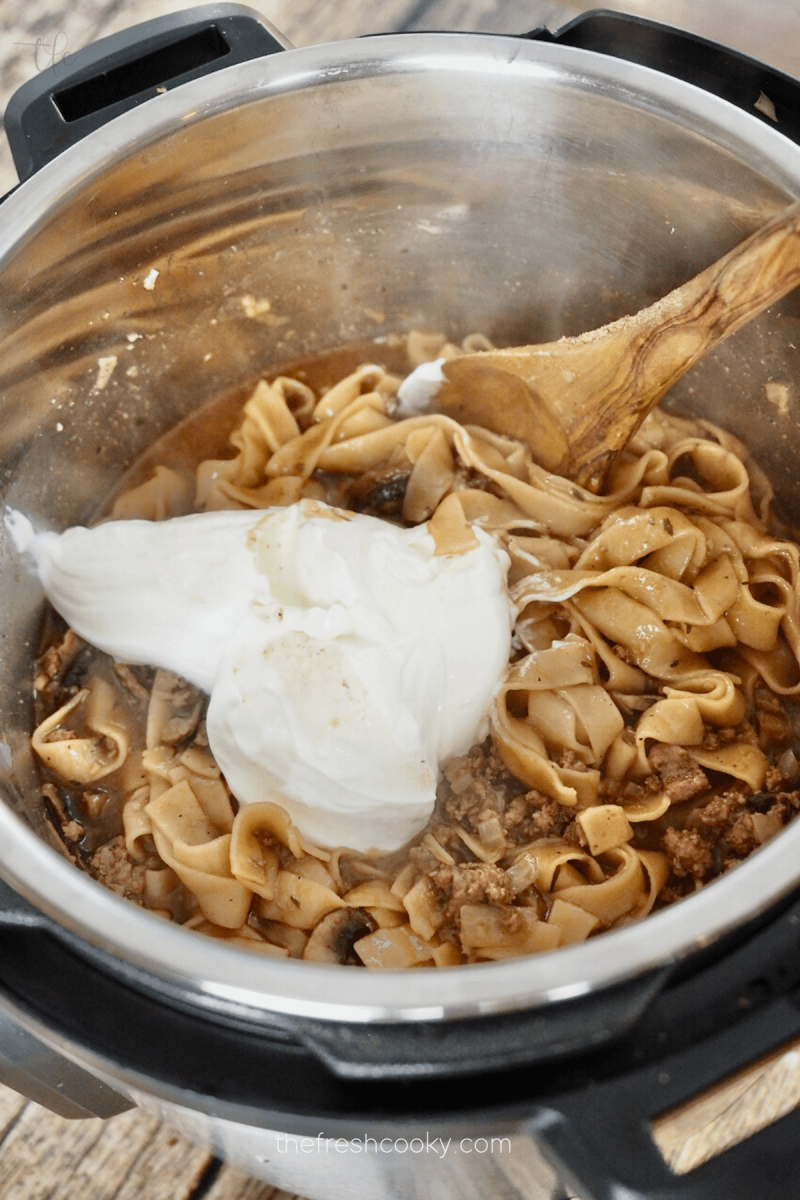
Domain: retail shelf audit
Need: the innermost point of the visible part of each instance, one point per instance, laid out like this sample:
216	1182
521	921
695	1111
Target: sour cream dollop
346	661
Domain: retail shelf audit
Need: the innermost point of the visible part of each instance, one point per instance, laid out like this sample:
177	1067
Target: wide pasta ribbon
84	759
270	421
189	843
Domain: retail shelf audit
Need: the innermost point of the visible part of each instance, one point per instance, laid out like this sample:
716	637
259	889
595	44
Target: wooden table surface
134	1156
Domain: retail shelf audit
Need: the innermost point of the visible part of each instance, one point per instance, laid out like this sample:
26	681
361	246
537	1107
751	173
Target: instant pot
522	187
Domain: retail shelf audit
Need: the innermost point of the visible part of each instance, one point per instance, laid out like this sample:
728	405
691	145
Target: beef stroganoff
640	737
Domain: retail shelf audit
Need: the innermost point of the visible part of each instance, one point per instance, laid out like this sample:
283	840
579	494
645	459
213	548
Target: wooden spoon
578	401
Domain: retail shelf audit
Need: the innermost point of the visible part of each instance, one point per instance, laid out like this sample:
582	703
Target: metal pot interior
448	182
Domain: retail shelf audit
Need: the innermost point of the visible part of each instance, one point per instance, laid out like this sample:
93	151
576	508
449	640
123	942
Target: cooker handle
599	1139
29	1066
743	81
84	90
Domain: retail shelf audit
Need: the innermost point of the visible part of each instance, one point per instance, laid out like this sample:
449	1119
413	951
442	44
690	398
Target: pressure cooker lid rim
29	205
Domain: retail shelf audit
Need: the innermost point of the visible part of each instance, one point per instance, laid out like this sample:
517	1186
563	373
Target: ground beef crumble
679	774
479	783
472	883
717	812
740	836
476	782
534	816
112	865
687	853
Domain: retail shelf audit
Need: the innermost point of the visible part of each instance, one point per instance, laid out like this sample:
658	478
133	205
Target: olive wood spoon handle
578	401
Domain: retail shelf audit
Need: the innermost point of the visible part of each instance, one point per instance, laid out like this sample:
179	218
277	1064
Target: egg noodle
641	742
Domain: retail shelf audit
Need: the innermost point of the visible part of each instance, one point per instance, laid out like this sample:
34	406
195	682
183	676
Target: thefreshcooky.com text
287	1144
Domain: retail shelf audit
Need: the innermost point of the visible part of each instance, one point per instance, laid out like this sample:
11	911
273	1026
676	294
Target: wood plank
131	1157
46	1155
485	16
307	22
731	1111
11	1106
167	1166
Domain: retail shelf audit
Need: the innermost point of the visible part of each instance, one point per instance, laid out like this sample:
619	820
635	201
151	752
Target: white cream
346	662
418	389
167	593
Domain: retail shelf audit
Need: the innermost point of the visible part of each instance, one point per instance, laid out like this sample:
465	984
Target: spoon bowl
578	401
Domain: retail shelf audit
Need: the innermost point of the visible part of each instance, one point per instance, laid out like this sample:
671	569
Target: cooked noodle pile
641	744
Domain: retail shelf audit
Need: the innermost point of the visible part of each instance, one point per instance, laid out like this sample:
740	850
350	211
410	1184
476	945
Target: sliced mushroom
332	940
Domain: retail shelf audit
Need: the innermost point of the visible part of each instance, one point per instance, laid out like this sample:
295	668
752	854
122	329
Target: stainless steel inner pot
437	181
